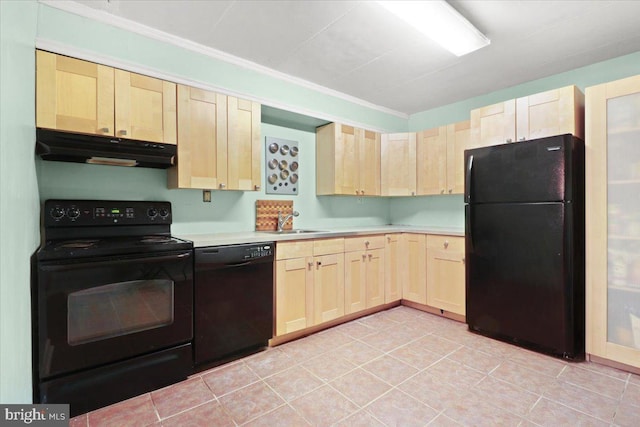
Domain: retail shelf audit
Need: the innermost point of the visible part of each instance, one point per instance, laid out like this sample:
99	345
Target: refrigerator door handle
468	179
469	233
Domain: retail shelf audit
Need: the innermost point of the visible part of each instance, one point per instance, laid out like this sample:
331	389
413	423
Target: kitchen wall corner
19	206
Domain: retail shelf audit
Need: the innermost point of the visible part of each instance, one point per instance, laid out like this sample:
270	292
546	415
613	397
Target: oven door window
119	309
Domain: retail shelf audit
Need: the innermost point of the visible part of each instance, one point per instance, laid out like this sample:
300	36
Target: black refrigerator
524	213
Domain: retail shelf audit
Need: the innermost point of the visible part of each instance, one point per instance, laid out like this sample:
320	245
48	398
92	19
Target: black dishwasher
233	301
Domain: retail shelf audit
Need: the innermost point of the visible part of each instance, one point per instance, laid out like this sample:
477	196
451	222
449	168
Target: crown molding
144	30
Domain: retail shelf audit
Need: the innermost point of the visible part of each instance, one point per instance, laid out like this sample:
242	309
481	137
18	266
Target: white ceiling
359	49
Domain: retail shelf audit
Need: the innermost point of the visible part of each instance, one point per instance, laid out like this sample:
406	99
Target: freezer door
519	278
530	171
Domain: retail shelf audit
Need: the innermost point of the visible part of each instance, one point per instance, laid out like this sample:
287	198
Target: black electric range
112	302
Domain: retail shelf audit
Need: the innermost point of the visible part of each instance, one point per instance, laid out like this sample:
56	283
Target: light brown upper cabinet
440	159
554	112
612	214
347	161
243	144
81	96
218	142
145	108
398	164
74	95
202	140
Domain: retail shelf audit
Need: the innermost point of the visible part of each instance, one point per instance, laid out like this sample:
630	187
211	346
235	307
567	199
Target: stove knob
152	213
57	213
73	213
164	212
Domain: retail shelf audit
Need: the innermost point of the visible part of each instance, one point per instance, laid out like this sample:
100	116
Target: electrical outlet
206	196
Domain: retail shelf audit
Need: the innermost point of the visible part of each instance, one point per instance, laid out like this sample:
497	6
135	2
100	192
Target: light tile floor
400	367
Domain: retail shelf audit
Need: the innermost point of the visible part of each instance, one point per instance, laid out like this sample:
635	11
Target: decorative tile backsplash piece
282	166
267	214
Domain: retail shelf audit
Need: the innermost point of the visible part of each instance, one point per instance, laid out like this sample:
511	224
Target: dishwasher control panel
258	251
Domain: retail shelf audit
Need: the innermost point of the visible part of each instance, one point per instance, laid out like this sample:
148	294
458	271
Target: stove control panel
72	213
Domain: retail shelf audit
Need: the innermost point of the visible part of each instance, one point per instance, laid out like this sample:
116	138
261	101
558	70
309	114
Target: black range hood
103	150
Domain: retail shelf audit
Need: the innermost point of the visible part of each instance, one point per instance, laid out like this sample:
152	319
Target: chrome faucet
282	220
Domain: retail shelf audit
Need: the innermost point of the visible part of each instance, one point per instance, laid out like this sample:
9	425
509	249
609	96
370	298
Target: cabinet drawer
363	243
328	246
296	249
449	243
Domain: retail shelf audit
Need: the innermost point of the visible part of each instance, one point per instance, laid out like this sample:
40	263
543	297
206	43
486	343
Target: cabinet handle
122	132
442	191
310	265
318	264
370	256
389	239
257	187
364	257
413	193
463	260
222	185
357	192
105	130
446	244
509	140
366	243
362	192
450	191
523	139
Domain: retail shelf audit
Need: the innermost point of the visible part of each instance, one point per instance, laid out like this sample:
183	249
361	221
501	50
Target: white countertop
219	239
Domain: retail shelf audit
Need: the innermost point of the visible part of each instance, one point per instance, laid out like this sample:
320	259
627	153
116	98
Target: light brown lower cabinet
294	286
309	283
364	273
446	273
414	286
393	268
318	281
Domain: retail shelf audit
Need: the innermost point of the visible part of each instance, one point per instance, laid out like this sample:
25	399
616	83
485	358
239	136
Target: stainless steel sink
299	231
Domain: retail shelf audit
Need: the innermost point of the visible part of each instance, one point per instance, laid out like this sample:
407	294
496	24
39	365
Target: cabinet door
554	112
74	95
375	277
393	269
431	159
347	168
243	144
446	273
415	273
202	139
145	108
494	124
355	282
458	140
328	287
398	164
613	221
369	163
294	294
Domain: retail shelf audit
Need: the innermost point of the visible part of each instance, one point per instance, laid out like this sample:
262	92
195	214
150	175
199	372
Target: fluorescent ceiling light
441	23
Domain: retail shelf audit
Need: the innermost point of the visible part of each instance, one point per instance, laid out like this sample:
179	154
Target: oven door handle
111	261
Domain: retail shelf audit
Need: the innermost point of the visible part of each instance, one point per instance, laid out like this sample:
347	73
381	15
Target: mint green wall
83	33
449	210
229	210
19	209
